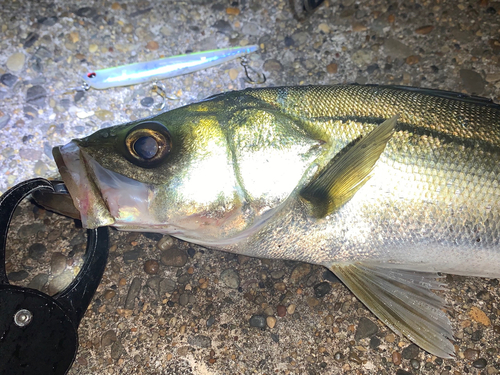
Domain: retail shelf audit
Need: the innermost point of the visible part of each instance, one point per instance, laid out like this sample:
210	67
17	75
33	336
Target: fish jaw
103	197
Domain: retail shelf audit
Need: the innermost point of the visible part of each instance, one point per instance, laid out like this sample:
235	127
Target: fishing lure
131	74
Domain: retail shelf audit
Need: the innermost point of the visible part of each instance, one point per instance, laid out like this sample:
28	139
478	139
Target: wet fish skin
385	186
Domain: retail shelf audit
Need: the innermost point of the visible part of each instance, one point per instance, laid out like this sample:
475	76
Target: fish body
385	186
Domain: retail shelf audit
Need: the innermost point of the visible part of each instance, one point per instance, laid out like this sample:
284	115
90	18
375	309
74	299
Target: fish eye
147	144
91	75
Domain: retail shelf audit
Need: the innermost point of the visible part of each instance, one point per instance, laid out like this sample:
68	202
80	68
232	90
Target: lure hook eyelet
261	77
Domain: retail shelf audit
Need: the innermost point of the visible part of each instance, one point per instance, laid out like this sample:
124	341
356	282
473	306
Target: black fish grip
39	333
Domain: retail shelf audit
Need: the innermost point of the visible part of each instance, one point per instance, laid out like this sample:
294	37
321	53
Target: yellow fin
403	300
338	182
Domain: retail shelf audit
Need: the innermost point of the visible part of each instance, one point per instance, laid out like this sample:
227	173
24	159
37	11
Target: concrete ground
167	307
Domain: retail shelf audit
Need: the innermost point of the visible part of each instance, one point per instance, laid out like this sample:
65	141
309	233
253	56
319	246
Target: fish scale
386	186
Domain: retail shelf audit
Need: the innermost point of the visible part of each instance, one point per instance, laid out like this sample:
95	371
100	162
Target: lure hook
161	90
261	77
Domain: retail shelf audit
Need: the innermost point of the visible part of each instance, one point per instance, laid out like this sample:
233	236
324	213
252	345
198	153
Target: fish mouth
102	197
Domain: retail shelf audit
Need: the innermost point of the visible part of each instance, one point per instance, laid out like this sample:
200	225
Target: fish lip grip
39	333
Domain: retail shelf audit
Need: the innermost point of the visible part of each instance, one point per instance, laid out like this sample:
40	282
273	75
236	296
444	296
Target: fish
389	187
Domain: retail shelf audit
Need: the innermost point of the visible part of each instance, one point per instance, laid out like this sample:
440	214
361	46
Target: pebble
479	363
471	354
109	294
173	257
184	299
299	272
16	61
362	57
4	120
223	26
323	27
258	321
232	11
403	372
366	328
271	321
473	81
60	282
93	48
151	267
230	278
396	358
290	309
281	311
272	65
36	95
375	342
30	40
353	357
332	68
8	79
131	256
147	101
48	21
104	115
410	352
117	350
165	243
133	292
312	302
37	251
322	289
87	12
57	263
395	48
251	28
39	281
233	74
18	275
108	337
424	30
167	286
412	59
200	341
152	45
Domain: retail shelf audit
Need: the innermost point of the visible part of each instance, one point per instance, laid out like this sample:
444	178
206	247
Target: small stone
396	358
323	27
312	302
60	282
322	289
332	68
173	257
93	48
39	281
232	11
147	101
230	278
275	337
477	335
74	37
165	243
116	6
290	309
403	372
200	341
412	59
424	30
15	62
410	352
104	115
281	311
223	26
362	57
299	272
366	328
353	357
4	120
358	27
395	48
478	315
151	267
374	342
48	21
37	251
109	294
18	275
86	12
493	77
133	292
117	350
8	79
36	95
57	263
258	321
152	45
271	321
108	337
131	256
479	363
272	65
30	40
473	81
184	299
167	286
233	74
471	354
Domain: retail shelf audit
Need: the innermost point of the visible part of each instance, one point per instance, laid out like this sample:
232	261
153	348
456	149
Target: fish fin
340	180
403	300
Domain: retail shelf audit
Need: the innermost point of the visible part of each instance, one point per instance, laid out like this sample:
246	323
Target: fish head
209	173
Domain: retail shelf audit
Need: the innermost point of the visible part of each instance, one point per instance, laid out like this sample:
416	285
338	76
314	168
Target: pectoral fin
403	300
339	181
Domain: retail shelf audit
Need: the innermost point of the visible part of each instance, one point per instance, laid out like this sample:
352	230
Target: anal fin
404	301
